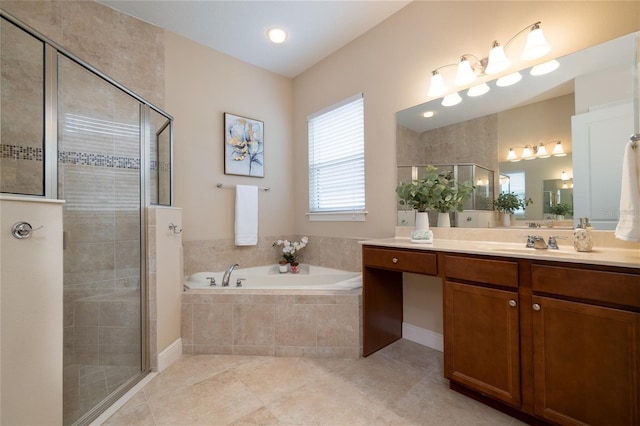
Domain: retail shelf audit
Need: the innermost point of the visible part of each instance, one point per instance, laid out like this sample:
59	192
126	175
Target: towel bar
262	188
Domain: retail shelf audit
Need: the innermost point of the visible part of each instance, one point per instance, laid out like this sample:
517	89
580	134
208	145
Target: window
336	162
517	186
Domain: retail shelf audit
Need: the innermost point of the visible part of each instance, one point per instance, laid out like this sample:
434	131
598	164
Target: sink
522	250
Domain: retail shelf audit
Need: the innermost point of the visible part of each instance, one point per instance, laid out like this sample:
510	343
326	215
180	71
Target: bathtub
310	277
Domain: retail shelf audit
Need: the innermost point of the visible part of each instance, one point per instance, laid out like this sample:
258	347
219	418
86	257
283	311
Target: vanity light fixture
277	35
470	67
535	48
531	152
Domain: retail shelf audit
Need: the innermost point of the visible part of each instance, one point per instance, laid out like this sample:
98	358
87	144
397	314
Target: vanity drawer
488	271
599	286
401	260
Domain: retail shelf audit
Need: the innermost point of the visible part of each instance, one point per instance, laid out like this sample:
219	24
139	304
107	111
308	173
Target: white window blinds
336	158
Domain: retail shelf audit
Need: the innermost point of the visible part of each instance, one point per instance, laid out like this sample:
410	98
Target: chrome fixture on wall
470	66
531	152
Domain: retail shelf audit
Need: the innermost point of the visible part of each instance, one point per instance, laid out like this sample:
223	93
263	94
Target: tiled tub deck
263	322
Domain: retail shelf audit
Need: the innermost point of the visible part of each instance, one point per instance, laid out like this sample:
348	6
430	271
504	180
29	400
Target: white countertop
629	258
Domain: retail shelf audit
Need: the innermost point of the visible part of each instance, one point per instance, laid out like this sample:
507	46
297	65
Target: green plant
560	209
508	202
434	191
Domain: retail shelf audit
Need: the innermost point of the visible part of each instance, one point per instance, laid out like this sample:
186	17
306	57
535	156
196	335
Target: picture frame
243	146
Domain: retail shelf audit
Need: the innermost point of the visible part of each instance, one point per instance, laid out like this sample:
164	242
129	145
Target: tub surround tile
255	323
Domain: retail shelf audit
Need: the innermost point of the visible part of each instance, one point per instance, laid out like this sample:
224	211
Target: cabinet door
586	363
482	340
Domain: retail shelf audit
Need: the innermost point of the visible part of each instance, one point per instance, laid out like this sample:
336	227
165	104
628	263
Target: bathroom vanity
547	336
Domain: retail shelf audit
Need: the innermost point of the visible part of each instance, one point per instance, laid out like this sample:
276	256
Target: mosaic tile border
18	152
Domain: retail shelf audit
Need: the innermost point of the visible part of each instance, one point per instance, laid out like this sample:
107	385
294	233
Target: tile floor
402	384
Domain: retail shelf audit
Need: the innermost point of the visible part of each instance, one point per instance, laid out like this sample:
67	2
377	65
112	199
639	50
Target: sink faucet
227	275
538	242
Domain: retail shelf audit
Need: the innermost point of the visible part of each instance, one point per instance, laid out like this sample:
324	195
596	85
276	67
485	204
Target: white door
599	138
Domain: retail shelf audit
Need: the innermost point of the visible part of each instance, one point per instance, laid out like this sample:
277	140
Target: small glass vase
294	268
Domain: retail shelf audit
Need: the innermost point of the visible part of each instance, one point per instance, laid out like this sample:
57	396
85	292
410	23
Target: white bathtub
269	278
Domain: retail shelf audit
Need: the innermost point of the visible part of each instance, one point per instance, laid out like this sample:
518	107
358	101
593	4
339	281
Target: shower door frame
50	164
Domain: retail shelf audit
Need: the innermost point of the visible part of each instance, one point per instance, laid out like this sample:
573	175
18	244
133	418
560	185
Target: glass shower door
99	177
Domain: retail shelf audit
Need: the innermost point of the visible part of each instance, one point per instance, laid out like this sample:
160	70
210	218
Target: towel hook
174	228
634	140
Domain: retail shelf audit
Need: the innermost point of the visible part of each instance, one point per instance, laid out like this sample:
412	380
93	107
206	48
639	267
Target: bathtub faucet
227	275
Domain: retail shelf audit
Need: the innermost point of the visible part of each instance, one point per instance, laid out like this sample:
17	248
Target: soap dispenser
582	239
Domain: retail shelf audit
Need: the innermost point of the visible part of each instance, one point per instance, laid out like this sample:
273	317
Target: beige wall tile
253	325
338	326
295	325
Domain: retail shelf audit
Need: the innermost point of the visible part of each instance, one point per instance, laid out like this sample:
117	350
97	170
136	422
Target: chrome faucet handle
553	244
239	282
530	241
212	281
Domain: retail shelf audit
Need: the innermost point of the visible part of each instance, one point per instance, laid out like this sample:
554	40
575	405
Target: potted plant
290	253
433	191
507	203
560	210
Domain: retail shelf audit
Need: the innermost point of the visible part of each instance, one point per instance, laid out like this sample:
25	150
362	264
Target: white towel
628	228
246	215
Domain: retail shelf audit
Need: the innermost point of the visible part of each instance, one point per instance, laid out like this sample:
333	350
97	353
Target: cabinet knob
394	260
536	307
513	303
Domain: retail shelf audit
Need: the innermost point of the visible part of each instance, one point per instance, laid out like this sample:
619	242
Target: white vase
444	220
506	219
422	221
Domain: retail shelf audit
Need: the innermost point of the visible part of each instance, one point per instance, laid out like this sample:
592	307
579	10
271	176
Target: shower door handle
22	230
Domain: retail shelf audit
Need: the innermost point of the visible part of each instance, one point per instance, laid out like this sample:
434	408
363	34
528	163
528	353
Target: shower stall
69	132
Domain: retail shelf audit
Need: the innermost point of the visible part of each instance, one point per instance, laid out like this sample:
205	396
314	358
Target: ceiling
238	28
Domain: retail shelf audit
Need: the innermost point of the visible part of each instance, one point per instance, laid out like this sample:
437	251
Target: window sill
348	216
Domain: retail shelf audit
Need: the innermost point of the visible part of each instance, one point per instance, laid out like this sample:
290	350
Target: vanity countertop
629	258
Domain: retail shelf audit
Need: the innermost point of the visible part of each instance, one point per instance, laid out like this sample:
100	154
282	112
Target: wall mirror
561	106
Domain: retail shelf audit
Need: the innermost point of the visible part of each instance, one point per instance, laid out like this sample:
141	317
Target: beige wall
391	65
201	85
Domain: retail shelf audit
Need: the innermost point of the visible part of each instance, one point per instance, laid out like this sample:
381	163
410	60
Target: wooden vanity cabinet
481	326
548	342
586	345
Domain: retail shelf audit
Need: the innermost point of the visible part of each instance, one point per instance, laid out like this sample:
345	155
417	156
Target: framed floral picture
243	146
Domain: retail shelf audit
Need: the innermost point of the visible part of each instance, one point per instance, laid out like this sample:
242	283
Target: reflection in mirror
538	110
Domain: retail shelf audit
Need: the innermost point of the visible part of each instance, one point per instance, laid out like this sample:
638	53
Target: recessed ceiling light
427	114
277	35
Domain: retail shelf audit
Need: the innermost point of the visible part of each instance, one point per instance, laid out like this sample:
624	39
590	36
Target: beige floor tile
327	401
218	400
261	416
135	412
400	385
189	370
270	377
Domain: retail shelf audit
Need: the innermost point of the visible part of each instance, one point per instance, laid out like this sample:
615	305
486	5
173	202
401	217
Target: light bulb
542	152
498	61
511	156
536	46
558	151
277	35
526	153
451	100
564	175
465	73
437	87
545	68
478	90
509	79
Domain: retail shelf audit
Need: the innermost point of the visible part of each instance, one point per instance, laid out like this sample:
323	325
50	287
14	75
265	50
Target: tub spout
227	275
